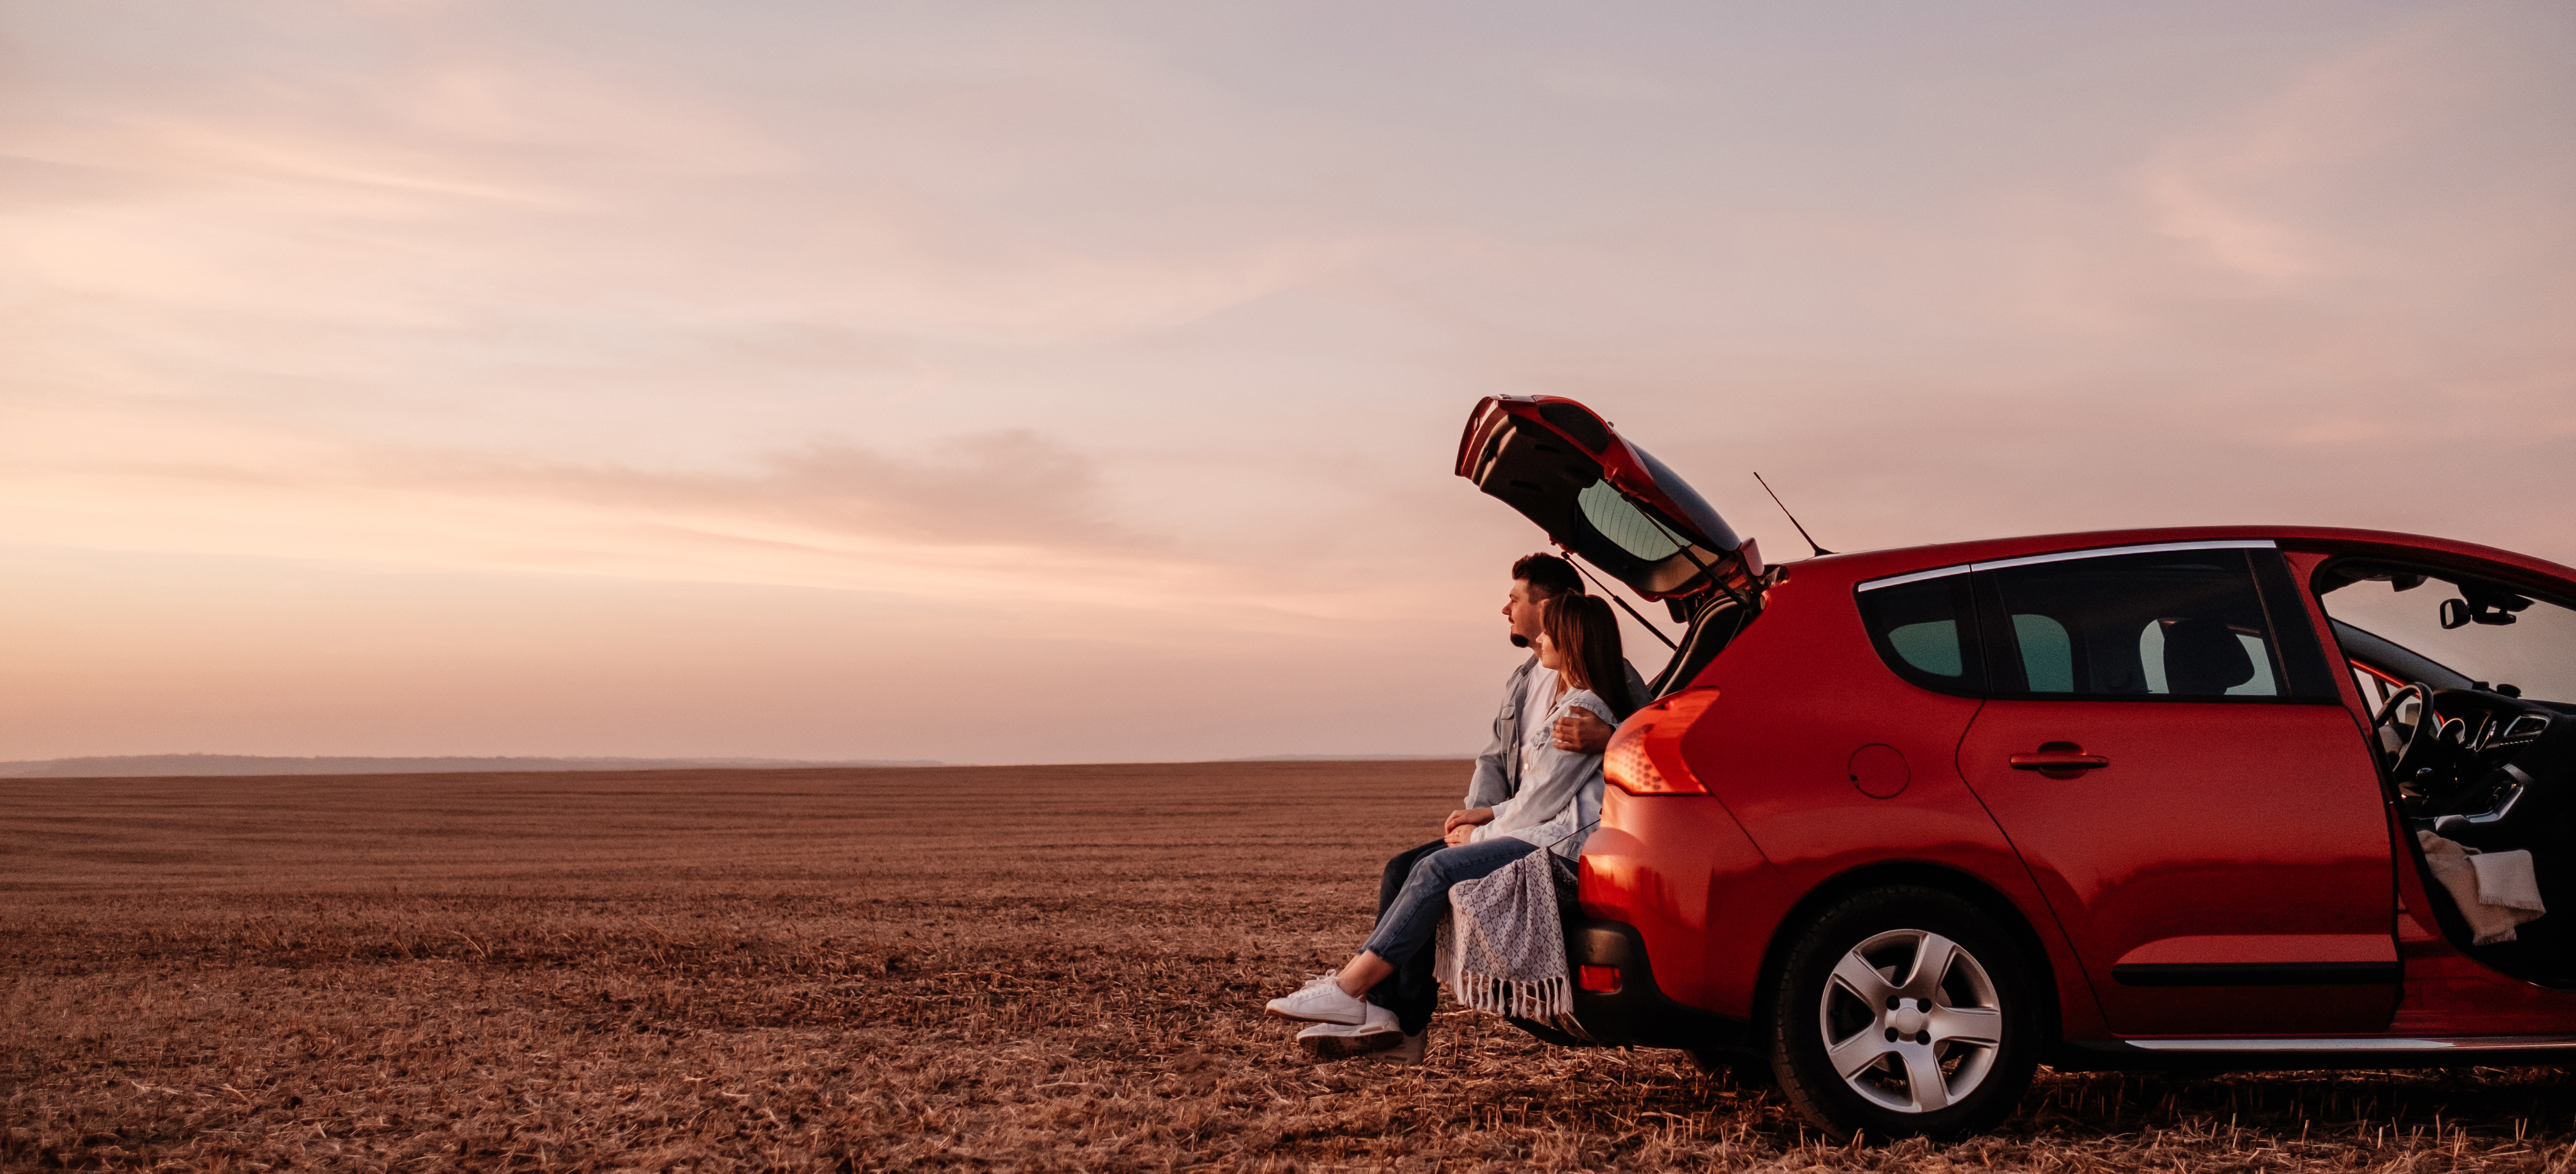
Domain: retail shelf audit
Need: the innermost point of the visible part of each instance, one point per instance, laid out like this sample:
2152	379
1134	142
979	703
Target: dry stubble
1003	968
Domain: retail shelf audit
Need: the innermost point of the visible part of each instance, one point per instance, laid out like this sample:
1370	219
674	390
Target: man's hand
1583	732
1467	817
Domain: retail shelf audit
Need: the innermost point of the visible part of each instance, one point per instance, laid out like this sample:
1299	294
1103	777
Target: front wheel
1903	1012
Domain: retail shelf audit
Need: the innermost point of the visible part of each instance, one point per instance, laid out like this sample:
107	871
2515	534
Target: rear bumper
1638	1014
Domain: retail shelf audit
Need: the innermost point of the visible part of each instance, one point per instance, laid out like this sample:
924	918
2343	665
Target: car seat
2204	658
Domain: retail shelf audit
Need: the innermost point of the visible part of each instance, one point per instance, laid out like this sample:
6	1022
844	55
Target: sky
1080	382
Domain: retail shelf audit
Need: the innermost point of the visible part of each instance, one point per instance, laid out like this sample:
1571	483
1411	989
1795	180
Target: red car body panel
1683	872
2283	800
2159	859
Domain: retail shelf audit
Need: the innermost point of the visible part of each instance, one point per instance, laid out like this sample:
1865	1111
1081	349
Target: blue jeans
1412	897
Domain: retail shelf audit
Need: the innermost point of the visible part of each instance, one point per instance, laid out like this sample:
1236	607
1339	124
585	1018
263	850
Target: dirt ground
959	968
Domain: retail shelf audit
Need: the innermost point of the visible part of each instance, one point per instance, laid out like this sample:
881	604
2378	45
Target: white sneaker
1321	1000
1341	1041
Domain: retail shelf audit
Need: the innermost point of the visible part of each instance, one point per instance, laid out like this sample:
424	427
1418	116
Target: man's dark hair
1548	573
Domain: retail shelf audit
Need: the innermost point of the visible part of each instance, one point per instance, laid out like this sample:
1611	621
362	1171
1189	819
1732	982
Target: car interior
2474	710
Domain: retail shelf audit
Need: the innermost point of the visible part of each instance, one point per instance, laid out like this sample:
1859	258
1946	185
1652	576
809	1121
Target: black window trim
2306	670
2065	556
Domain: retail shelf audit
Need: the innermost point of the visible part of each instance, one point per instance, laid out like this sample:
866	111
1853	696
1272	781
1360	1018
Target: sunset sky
1066	382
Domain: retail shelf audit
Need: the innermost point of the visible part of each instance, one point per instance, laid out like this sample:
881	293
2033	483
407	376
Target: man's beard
1519	641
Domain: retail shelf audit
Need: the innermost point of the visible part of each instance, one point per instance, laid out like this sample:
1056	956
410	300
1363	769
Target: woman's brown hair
1584	627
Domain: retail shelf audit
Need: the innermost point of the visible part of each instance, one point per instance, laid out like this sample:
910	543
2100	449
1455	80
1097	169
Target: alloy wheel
1911	1021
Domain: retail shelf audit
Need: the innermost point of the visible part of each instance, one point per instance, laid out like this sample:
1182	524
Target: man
1406	1000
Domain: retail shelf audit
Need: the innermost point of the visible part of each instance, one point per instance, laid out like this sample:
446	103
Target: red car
1902	825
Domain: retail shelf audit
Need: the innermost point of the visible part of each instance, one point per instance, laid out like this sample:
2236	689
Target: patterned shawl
1502	949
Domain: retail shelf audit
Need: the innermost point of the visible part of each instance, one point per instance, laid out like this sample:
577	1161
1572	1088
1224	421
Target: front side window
2449	631
2162	624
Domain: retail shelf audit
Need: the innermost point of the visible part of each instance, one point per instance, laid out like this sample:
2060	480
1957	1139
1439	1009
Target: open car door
1611	504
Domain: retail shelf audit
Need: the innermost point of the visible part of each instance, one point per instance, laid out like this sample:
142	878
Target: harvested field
972	968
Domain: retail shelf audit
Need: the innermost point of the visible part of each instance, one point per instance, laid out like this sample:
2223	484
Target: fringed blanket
1502	948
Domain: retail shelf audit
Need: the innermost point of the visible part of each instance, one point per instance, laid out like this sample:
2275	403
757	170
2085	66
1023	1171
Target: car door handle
2052	761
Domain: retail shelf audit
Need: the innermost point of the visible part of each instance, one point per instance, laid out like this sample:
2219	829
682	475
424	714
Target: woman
1555	809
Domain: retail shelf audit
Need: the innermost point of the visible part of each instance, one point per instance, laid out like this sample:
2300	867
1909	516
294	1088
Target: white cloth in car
2492	908
2505	878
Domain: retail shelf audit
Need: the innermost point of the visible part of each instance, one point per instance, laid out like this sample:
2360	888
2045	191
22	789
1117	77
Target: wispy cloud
1003	515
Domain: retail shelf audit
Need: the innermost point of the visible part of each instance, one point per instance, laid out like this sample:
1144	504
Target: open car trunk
1609	503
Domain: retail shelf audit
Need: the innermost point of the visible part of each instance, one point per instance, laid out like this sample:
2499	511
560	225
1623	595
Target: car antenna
1651	630
1793	518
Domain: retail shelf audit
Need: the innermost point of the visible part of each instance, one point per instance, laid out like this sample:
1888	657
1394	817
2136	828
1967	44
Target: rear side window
1926	631
2164	624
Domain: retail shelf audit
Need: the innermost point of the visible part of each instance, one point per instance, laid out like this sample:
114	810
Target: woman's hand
1459	835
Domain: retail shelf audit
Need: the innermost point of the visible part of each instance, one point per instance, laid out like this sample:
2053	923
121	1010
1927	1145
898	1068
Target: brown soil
973	968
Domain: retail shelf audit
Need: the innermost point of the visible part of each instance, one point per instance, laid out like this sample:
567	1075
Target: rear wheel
1905	1011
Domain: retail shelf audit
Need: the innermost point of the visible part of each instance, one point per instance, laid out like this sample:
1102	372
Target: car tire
1863	1041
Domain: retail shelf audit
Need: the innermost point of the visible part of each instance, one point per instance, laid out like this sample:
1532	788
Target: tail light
1600	980
1645	756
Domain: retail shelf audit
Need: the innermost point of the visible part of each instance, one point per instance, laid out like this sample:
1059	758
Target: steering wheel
2423	734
